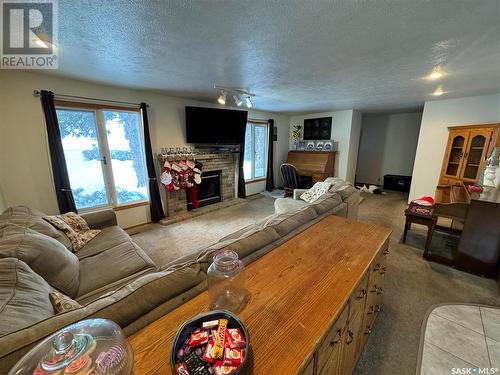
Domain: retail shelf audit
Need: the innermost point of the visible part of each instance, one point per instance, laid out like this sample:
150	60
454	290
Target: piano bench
421	215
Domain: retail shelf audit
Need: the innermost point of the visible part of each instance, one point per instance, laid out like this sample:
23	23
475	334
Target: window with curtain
255	158
104	152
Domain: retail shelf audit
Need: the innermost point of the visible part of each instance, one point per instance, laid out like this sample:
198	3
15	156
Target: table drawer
329	348
359	297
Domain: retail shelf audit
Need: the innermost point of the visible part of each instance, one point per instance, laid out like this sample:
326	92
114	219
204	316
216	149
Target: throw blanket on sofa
73	226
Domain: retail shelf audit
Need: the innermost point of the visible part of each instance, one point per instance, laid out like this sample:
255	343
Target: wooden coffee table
314	300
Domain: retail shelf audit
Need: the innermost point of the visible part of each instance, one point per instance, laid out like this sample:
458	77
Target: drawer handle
378	308
368	331
379	291
377	267
382	271
371	311
339	334
361	294
350	337
375	289
386	251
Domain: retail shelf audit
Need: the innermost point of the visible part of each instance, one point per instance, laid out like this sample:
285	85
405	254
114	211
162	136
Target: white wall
387	146
345	131
24	160
437	116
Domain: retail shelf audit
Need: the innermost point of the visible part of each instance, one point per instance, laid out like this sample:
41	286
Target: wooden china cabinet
466	151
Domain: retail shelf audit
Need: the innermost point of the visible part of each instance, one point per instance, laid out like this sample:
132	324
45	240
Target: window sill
130	205
256	180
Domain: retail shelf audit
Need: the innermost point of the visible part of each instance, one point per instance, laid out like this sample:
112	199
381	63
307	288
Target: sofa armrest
100	219
298	192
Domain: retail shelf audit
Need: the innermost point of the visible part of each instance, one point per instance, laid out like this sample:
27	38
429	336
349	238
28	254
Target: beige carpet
412	286
165	244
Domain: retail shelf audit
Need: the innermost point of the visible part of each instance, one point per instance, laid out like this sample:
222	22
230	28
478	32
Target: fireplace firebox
209	190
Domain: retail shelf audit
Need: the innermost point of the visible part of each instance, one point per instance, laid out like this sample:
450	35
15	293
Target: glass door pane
247	161
126	148
474	157
260	151
83	157
456	153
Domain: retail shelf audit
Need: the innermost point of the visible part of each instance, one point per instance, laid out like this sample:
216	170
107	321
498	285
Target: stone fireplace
218	182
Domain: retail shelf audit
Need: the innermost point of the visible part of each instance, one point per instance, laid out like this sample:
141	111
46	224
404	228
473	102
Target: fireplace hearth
209	191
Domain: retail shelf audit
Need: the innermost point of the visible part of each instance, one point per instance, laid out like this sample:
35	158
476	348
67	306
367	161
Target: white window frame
103	146
266	148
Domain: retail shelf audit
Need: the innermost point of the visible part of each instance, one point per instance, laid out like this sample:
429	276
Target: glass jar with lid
93	346
226	283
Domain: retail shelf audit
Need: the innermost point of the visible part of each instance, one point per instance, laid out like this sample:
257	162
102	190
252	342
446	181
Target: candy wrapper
233	357
235	338
182	369
221	369
220	339
198	338
207	356
210	324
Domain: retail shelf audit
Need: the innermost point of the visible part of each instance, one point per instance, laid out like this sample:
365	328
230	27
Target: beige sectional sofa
111	277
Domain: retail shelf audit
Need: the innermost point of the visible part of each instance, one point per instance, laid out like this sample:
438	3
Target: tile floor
461	336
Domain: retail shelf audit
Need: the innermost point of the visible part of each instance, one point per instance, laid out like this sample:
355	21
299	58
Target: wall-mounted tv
215	126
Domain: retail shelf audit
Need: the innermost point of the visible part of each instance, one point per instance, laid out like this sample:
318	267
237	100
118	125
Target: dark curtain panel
155	206
64	195
270	157
241	176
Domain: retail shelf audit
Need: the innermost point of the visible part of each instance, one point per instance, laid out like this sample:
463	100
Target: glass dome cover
89	347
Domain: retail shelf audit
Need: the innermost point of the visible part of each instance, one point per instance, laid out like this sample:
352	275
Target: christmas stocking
193	191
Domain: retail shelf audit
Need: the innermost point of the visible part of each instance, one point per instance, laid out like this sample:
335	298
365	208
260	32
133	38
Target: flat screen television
215	126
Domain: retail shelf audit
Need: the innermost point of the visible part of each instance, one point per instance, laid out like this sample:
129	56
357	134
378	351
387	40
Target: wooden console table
314	301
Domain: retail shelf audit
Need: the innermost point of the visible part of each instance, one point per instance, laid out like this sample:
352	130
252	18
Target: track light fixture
237	100
222	98
237	94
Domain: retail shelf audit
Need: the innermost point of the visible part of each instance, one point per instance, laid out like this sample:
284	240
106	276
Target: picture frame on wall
320	145
318	128
310	146
301	146
328	146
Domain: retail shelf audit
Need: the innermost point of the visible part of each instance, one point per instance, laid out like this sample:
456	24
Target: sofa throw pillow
45	255
62	302
24	296
318	189
75	227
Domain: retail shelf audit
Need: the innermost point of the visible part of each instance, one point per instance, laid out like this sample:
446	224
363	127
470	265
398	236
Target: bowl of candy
213	343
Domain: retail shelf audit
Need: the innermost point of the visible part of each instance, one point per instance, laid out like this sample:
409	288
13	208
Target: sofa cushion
44	255
74	227
33	219
286	222
115	258
286	205
168	288
243	242
326	203
316	192
24	296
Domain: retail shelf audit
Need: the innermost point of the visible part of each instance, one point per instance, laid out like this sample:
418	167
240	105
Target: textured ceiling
296	55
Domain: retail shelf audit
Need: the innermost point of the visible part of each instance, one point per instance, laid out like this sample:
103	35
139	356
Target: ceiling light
237	100
222	98
439	91
436	73
249	102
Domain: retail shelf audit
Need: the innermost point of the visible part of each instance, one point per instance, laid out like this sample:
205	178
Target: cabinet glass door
456	153
474	157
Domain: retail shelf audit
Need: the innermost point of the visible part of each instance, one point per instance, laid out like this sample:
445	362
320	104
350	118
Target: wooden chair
291	179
